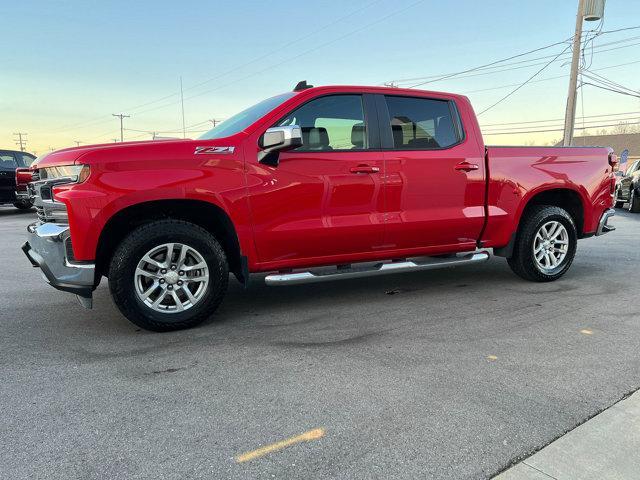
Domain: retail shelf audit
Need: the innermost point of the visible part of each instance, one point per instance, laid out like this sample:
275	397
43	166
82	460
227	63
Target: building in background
618	141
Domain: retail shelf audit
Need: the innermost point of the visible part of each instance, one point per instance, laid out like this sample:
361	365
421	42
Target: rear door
435	176
324	201
8	167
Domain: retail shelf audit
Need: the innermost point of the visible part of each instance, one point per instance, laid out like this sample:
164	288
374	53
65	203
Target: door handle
466	166
364	169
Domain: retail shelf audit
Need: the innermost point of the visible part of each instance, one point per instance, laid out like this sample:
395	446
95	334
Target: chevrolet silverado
315	184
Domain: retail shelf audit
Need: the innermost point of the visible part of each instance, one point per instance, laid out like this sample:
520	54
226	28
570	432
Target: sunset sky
69	65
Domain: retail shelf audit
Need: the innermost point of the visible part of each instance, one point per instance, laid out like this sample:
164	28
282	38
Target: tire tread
121	287
522	261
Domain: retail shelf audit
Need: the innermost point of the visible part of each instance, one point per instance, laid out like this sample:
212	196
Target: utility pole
77	142
115	140
215	122
20	140
121	116
595	11
184	130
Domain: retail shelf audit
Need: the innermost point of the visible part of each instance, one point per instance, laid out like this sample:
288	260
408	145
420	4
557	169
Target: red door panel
431	201
312	205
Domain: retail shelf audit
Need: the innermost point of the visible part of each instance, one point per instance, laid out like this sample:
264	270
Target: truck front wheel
168	275
545	244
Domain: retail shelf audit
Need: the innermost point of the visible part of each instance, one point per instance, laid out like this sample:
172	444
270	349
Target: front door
324	201
435	179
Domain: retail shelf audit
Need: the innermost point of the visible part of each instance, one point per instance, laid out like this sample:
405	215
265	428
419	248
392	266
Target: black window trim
371	121
386	134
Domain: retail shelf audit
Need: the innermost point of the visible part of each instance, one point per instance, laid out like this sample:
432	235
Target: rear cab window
418	123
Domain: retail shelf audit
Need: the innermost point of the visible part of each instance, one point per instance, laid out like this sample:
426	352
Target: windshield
242	120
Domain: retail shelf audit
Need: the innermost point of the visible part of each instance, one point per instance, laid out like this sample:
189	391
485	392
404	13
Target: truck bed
518	173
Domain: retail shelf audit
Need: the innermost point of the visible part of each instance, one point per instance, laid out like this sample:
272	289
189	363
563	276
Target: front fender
90	205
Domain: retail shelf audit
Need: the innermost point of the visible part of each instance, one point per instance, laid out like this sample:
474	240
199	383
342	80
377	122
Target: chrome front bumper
603	226
47	248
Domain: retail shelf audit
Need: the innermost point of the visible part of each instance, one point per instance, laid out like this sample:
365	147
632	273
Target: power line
301	54
523	83
286	45
498	68
605	81
612	90
102	119
559	129
444	77
516	129
559	119
549	78
622	29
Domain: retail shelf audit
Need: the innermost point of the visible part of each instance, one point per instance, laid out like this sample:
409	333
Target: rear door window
422	123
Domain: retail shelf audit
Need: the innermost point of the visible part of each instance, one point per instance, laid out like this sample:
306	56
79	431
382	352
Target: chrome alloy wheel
171	278
550	245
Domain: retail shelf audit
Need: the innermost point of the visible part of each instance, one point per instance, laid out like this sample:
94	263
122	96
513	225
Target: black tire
23	205
634	201
125	260
523	262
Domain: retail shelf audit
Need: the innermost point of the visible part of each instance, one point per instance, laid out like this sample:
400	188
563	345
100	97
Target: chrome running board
359	270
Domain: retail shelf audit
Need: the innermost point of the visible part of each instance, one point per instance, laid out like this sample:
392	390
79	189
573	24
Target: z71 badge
214	150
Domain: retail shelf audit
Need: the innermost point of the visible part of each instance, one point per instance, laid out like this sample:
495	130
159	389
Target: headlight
71	173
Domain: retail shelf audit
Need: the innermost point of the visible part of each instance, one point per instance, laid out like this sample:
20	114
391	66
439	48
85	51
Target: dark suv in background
10	161
628	188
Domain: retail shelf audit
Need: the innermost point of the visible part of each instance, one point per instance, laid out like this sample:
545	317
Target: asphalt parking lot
446	374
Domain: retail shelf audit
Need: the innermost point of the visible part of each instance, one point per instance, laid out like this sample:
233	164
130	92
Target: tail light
23	177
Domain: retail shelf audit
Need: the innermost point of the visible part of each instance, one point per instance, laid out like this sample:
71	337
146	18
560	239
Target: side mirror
277	139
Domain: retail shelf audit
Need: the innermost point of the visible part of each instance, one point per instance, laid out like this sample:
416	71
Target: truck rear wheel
545	244
168	275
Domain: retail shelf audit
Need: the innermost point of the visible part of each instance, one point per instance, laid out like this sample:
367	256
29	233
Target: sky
70	65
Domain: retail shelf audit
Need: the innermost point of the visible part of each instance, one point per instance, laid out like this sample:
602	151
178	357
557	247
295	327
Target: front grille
47	209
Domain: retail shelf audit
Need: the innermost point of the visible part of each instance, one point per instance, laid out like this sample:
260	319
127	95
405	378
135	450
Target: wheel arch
566	198
204	214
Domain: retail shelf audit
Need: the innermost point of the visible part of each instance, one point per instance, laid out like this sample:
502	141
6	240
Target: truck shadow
333	315
11	211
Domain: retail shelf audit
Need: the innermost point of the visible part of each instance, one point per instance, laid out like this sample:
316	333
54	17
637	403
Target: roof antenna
302	86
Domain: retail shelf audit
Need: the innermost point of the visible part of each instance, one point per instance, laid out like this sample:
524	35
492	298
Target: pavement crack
538	470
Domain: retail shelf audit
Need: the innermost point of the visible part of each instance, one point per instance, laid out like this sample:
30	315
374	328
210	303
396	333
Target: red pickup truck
311	185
